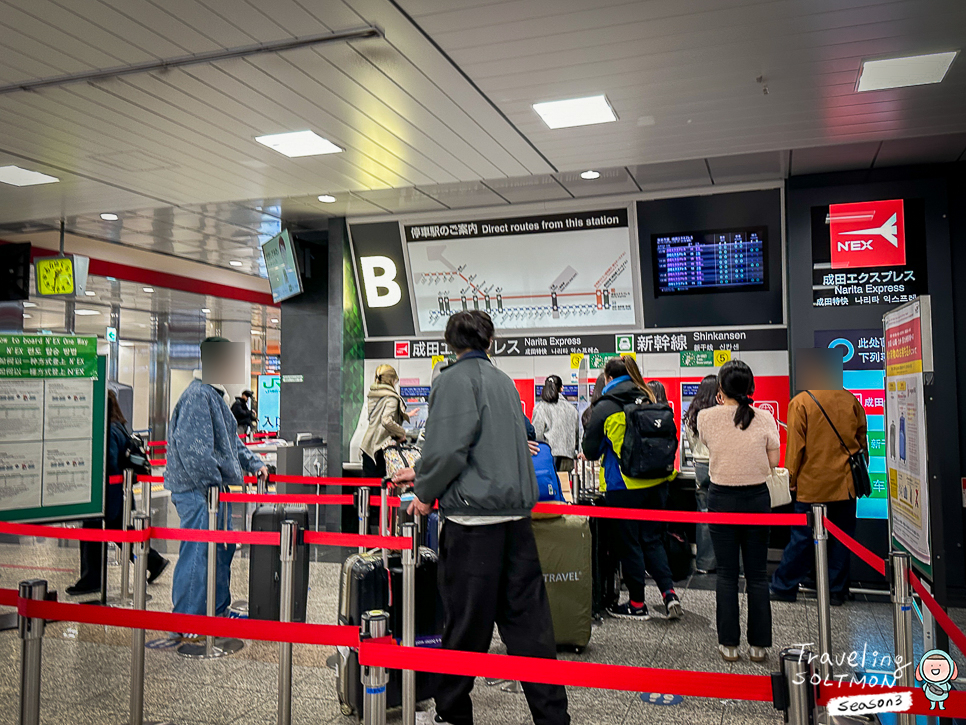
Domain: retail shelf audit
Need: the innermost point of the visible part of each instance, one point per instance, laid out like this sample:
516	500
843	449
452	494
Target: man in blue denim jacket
203	451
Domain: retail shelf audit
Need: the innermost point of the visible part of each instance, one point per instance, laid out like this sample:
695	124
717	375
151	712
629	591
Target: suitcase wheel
346	709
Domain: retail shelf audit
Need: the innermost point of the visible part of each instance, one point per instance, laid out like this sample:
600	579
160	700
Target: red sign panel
402	349
868	234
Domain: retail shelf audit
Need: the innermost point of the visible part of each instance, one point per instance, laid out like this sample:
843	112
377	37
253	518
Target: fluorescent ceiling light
29	304
590	175
108	217
576	112
913	70
299	143
235	263
86	313
15	176
327	199
274	319
256	332
206	310
148	289
26	316
90	294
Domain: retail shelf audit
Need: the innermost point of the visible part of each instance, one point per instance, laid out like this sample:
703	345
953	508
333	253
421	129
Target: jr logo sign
868	234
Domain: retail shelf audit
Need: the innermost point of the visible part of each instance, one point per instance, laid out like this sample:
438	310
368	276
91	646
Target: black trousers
90	553
491	574
798	559
750	543
640	544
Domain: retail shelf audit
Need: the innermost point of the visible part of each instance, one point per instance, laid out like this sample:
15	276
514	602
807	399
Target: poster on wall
863	374
554	271
269	387
908	347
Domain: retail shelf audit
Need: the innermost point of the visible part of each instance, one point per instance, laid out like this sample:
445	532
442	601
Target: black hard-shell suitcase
604	560
364	586
264	566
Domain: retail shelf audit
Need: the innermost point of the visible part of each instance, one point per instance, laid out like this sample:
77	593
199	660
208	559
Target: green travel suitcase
564	546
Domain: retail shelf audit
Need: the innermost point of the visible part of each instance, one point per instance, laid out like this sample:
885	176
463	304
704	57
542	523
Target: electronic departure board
710	261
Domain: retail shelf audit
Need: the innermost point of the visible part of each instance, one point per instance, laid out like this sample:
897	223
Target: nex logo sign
868	234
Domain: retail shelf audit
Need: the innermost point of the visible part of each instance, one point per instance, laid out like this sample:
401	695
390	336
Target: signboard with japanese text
269	390
868	253
48	356
908	342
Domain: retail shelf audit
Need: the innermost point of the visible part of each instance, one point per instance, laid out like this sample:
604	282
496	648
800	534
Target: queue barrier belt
693	517
8	597
949	627
324	480
856	548
331	538
303	498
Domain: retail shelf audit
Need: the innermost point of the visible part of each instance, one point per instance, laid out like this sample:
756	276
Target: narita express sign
868	234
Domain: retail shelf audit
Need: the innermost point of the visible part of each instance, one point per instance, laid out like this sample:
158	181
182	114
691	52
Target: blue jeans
798	559
189	584
705	560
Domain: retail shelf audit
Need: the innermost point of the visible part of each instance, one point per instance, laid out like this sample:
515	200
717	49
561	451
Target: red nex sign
868	234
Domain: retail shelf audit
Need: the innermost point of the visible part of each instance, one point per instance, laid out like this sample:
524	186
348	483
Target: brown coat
817	465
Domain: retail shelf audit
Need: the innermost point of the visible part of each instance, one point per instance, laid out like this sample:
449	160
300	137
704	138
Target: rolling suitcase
604	561
264	566
564	545
364	586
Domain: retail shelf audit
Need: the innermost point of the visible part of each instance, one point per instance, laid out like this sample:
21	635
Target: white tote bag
778	490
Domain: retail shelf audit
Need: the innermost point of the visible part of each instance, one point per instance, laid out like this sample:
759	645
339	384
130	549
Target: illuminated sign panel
868	234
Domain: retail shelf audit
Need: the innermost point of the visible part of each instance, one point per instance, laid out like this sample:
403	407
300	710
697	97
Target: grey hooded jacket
475	460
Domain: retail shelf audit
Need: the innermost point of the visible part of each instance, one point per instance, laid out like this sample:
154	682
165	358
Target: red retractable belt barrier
265	538
157	461
8	597
152	444
376	653
693	517
856	548
303	498
325	480
949	627
52	532
115	480
328	538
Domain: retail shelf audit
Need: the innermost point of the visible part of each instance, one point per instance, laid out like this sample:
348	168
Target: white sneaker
429	717
728	654
757	654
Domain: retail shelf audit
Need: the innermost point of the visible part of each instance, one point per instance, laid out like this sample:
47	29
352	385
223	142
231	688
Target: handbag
778	491
857	462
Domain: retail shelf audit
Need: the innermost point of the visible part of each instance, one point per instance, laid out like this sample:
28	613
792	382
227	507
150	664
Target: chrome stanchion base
239	608
224	646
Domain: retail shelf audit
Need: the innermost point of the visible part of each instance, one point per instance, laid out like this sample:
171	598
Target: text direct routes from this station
540	345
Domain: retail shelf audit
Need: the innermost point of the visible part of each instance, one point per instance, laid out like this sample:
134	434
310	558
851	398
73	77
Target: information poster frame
17	366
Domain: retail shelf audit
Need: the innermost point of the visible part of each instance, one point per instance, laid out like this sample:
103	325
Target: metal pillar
125	598
797	673
141	523
31	653
409	561
384	509
286	606
820	536
362	507
375	624
902	626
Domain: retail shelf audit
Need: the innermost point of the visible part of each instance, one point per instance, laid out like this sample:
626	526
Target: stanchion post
384	508
375	624
31	653
125	525
286	608
362	508
409	559
823	596
137	635
902	625
212	587
145	498
797	672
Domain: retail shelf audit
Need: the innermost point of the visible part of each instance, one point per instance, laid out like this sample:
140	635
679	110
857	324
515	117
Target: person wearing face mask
743	446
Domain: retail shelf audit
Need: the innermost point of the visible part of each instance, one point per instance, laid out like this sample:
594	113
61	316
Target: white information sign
21	410
20	475
67	472
68	408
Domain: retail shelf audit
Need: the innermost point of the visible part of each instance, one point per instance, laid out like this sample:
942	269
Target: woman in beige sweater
387	413
743	446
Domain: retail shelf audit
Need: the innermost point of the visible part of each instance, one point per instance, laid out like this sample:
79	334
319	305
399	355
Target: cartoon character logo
936	671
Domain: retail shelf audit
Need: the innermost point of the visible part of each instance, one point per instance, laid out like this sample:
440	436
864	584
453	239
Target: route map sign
526	284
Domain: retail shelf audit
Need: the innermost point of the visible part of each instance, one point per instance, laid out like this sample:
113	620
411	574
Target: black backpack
650	440
135	455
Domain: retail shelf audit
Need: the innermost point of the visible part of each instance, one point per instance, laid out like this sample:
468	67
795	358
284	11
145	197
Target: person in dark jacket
91	551
641	543
244	415
477	464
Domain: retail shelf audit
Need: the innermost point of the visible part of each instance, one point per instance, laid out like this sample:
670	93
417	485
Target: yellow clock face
55	276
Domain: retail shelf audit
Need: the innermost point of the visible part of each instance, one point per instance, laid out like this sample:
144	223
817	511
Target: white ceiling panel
748	167
672	175
939	150
399	201
464	195
825	159
524	189
611	181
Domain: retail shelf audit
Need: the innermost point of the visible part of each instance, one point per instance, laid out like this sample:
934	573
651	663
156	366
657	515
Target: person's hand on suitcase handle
263	474
408	475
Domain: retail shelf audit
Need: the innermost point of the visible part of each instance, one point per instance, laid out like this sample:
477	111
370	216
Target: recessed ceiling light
86	313
126	344
256	332
590	175
576	112
15	176
235	263
206	310
108	217
29	304
298	143
148	289
327	199
913	70
274	319
89	293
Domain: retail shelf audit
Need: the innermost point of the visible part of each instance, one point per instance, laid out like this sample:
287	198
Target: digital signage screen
283	271
710	261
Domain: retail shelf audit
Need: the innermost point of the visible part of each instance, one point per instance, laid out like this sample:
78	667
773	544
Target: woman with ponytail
743	446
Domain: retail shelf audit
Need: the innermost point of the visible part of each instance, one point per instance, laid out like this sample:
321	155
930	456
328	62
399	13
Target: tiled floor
86	668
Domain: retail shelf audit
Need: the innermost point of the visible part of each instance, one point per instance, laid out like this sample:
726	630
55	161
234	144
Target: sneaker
673	606
152	576
728	654
626	611
757	654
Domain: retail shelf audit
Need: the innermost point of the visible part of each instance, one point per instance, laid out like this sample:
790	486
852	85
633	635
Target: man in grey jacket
477	464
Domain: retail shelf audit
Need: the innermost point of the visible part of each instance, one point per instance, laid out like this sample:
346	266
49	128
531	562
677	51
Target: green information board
697	359
53	428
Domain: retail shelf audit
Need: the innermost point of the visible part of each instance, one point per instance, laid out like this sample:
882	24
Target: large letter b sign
379	279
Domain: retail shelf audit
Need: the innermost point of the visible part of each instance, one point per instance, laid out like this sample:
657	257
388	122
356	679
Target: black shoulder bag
857	461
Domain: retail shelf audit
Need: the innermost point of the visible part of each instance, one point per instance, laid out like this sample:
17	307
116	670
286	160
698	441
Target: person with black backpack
638	441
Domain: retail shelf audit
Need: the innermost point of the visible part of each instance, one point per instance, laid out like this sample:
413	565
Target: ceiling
436	114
